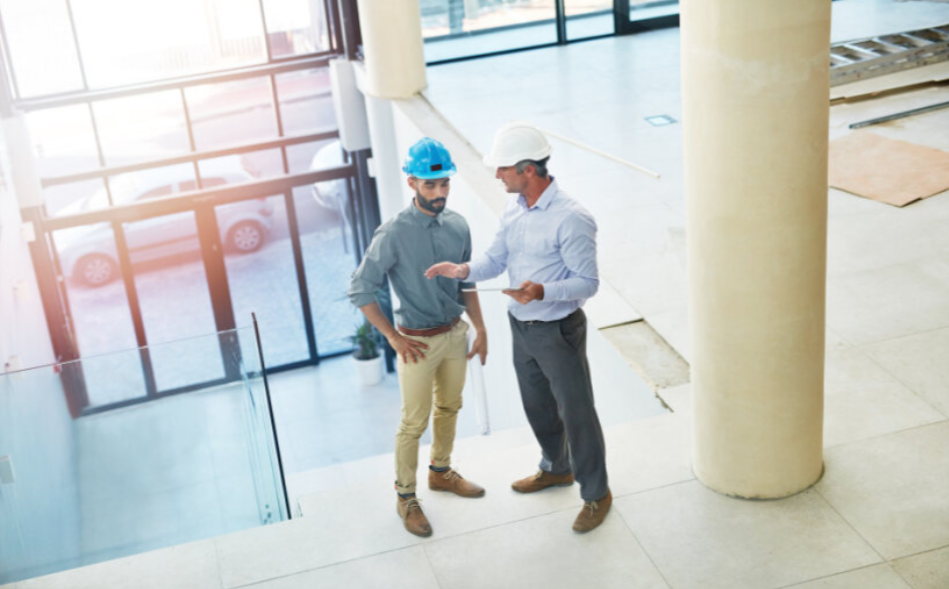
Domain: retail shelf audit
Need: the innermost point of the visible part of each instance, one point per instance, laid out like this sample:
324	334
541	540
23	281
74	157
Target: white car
88	254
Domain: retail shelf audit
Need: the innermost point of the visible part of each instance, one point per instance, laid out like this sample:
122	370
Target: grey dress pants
554	377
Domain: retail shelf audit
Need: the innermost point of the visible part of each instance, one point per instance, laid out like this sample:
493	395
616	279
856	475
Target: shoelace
593	505
451	475
412	503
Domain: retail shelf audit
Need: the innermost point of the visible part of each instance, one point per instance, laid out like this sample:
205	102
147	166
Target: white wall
24	338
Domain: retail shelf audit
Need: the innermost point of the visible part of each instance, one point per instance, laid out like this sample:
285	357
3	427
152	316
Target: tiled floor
879	518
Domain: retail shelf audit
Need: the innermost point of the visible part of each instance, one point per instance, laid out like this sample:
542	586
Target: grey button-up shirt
404	247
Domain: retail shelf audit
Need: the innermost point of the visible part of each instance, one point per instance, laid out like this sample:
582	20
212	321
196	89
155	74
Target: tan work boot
542	480
411	513
453	482
593	514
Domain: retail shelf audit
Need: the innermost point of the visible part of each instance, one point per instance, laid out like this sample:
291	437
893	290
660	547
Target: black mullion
135	308
620	16
75	38
99	152
215	270
561	21
191	143
331	12
294	228
279	118
263	22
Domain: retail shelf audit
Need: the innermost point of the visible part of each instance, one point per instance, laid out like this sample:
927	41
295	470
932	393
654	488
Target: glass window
326	237
246	167
142	185
262	276
231	113
127	42
462	28
43	62
588	18
306	104
75	198
296	27
646	9
319	155
140	128
101	319
176	304
63	140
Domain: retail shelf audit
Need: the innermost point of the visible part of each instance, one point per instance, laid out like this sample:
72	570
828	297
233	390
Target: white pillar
392	43
755	87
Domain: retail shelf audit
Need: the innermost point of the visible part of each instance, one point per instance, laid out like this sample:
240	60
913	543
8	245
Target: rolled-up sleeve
368	277
578	249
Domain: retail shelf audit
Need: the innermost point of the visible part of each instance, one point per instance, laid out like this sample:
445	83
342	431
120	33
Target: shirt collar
546	197
422	219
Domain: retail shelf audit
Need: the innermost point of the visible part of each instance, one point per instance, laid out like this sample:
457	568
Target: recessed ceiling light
660	120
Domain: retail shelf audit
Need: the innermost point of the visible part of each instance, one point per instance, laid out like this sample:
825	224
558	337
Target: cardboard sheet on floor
887	170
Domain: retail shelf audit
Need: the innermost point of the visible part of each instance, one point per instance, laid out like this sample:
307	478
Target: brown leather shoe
542	480
593	514
412	517
453	482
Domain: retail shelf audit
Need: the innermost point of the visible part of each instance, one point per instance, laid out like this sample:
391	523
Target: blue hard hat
429	160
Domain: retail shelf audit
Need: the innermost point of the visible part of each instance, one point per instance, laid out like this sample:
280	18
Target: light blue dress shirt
552	243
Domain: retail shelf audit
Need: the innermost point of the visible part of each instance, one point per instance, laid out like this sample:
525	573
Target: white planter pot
370	371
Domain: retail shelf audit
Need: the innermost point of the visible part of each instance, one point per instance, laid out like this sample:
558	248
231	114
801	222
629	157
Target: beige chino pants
438	379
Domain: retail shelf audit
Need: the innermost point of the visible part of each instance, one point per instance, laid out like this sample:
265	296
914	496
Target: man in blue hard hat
547	244
430	338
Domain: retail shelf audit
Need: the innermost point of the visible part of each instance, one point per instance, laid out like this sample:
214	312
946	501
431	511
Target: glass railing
82	483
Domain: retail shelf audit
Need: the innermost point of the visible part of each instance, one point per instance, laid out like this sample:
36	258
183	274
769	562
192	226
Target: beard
436	205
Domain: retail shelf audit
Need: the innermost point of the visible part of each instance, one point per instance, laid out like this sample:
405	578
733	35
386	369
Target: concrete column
755	113
392	43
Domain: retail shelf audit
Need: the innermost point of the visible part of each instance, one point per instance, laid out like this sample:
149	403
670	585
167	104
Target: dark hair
540	166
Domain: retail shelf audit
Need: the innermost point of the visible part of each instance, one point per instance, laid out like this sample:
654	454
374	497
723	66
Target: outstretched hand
528	291
448	270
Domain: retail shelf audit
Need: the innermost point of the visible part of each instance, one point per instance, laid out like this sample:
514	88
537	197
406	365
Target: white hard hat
516	142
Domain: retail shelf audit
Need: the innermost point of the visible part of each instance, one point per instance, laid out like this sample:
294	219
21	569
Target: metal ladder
875	56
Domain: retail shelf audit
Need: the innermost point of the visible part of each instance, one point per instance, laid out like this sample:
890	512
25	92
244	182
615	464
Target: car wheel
246	236
95	269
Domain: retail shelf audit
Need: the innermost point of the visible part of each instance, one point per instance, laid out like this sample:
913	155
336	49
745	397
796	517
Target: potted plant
369	362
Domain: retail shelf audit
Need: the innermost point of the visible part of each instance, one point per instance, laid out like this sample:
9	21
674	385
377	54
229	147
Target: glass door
588	18
649	14
262	276
175	303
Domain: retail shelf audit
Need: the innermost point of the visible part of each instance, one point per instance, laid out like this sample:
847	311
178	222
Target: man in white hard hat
430	338
547	244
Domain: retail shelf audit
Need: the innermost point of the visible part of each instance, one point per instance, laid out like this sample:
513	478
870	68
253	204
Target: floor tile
893	489
346	528
188	566
544	552
880	576
929	570
919	361
874	306
673	326
862	400
400	569
449	514
649	453
700	539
